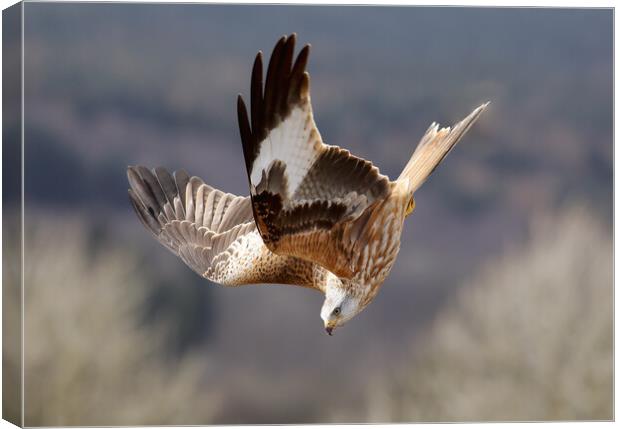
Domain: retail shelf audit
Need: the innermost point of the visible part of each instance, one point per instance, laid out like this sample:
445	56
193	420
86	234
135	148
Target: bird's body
317	216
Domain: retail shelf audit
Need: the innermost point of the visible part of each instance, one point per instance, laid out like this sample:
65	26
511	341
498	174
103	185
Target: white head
339	306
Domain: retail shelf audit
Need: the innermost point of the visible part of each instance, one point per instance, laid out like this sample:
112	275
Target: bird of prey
317	216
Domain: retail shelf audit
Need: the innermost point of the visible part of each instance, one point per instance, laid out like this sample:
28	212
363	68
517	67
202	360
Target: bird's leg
410	206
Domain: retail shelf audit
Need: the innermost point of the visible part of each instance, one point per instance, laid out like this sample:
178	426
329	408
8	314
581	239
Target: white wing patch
295	142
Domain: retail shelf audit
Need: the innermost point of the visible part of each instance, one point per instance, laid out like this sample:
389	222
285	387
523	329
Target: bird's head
339	306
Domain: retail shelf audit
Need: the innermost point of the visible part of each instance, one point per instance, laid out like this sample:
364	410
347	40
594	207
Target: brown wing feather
305	195
213	232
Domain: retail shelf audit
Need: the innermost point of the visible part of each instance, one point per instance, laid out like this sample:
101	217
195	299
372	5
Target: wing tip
286	84
240	102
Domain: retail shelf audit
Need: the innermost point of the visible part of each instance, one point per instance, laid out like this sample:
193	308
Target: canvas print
270	214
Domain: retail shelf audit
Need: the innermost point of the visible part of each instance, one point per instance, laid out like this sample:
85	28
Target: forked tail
433	148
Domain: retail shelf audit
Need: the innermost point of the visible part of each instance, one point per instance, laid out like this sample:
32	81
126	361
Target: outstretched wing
211	231
305	194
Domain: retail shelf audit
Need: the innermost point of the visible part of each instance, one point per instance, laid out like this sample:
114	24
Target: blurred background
499	306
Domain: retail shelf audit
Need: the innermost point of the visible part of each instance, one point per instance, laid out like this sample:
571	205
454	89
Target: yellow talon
410	207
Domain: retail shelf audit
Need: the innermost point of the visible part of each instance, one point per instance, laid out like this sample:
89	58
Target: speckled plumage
317	216
213	232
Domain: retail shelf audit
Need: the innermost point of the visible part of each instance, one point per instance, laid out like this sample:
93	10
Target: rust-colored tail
433	148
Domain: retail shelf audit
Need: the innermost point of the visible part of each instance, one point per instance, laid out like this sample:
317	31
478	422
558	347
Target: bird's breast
383	245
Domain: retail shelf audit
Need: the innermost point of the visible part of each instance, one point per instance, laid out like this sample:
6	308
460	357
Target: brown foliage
87	362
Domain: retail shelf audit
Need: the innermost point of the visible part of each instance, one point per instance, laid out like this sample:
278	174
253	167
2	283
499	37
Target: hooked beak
329	330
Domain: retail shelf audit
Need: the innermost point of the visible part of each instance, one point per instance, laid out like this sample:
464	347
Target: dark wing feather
304	193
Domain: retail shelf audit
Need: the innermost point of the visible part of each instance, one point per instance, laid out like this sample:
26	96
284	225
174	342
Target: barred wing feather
213	232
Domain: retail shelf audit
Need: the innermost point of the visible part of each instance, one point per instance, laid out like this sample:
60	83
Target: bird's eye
336	311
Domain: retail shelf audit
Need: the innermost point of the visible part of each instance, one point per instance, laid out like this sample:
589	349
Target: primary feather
213	232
